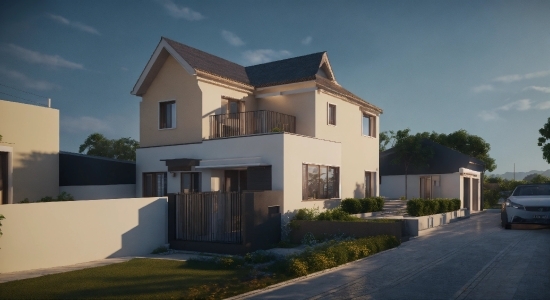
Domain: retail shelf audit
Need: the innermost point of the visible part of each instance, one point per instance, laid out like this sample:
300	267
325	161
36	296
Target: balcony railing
250	122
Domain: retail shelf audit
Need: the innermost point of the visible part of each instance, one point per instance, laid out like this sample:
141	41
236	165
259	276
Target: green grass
140	279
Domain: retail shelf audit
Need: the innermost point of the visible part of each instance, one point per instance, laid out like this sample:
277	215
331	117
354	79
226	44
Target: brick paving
470	259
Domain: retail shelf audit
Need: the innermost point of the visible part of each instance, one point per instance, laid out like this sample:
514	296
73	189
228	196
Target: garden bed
414	225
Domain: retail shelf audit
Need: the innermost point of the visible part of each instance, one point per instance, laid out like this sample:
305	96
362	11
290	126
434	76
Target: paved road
470	259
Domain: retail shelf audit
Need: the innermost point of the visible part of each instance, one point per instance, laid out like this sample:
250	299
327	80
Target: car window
532	190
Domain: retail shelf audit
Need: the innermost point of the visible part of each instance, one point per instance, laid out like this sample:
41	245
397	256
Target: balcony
250	122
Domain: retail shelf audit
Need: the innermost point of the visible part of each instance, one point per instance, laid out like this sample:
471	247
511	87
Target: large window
190	182
154	184
167	114
332	114
320	182
369	125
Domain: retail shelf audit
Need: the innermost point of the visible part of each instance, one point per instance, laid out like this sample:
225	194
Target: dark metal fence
209	217
250	122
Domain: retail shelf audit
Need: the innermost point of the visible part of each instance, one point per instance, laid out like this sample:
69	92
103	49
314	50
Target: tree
411	150
544	141
536	178
98	145
385	138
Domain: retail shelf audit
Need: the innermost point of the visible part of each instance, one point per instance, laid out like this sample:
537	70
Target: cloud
181	12
488	115
538	88
77	25
307	40
483	88
44	59
85	124
518	77
521	105
232	38
543	105
264	55
40	85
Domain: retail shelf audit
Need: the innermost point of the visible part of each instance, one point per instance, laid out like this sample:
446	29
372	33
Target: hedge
423	207
364	205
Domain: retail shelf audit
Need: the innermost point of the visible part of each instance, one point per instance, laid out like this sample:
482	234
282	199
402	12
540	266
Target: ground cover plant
215	277
424	207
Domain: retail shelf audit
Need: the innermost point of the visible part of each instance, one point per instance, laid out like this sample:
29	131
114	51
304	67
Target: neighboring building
29	160
449	174
208	124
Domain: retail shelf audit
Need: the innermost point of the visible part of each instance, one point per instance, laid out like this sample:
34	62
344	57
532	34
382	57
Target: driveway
470	259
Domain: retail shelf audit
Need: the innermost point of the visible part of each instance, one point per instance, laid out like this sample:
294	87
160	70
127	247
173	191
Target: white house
208	124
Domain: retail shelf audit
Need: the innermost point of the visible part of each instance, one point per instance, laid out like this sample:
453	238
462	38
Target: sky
482	66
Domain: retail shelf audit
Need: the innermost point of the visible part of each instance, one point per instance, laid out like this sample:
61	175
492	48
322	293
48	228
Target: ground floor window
154	184
190	182
370	177
320	182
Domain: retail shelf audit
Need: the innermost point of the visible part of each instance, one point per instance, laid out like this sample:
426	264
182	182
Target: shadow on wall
150	233
359	190
35	175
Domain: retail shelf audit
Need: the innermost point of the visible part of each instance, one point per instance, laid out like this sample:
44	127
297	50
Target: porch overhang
226	163
181	164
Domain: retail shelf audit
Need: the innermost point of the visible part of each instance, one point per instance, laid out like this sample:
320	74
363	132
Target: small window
190	182
154	184
369	125
332	114
167	114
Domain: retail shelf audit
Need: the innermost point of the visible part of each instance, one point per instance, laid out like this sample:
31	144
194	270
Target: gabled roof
290	70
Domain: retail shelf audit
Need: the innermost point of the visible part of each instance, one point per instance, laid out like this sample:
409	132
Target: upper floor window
332	114
167	114
369	125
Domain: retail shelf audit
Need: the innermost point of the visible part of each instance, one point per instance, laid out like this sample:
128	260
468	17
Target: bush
351	205
61	197
307	214
160	249
337	214
260	256
423	207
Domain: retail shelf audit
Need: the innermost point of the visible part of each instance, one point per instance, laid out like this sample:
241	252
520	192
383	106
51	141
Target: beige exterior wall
359	153
33	133
172	83
45	235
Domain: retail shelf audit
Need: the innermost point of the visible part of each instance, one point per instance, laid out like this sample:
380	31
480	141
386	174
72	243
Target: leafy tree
536	178
410	150
98	145
385	138
544	141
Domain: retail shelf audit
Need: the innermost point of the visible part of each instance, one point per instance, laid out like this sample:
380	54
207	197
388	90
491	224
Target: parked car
528	204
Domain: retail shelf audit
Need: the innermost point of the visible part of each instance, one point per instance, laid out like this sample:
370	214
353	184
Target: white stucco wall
95	192
44	235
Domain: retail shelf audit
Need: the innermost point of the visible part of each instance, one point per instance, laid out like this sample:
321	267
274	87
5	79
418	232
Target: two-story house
208	124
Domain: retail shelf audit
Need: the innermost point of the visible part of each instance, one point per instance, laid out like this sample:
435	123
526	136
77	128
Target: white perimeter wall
95	192
393	187
44	235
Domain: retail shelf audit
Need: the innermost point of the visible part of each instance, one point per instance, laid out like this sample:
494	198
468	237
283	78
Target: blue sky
482	66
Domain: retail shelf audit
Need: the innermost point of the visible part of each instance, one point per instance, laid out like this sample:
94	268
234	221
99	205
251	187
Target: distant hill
521	175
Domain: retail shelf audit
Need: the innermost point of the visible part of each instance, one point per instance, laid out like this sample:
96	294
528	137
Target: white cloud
181	12
232	38
307	40
483	88
538	88
77	25
488	115
264	55
85	124
543	105
40	85
521	105
519	77
44	59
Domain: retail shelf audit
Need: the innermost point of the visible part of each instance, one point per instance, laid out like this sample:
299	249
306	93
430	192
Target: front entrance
235	181
426	187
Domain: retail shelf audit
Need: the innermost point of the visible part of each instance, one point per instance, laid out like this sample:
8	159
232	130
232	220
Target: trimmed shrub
352	205
337	214
306	214
424	207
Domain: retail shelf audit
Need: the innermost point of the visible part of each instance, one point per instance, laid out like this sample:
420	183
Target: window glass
332	114
154	184
323	183
190	182
313	181
367	125
320	182
167	114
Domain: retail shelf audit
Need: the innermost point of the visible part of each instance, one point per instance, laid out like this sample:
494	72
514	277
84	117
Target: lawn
140	279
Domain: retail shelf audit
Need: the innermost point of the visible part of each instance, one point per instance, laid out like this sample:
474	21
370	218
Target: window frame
372	124
173	114
154	187
322	189
329	105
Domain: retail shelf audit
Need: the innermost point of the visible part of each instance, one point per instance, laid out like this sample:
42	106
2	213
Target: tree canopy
98	145
460	140
544	141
